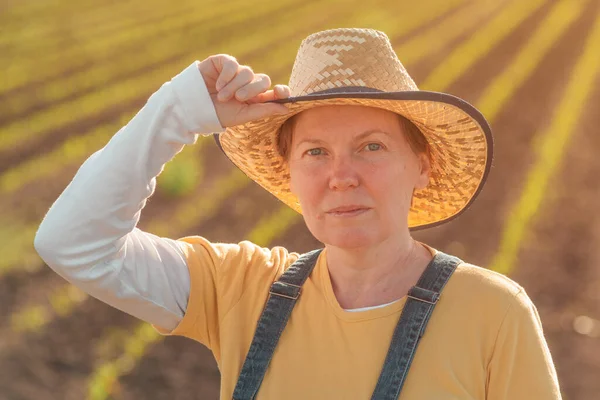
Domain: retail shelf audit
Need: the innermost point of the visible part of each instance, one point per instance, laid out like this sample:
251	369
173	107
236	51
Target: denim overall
284	292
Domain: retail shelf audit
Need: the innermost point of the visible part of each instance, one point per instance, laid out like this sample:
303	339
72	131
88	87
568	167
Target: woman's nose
343	174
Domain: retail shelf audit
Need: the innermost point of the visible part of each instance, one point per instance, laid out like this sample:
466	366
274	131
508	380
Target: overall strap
421	300
283	295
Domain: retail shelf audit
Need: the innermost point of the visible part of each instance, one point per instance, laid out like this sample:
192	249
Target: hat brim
460	139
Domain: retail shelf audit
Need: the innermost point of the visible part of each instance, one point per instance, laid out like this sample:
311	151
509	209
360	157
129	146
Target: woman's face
354	173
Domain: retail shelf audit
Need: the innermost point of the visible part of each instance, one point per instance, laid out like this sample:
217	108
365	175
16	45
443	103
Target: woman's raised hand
239	94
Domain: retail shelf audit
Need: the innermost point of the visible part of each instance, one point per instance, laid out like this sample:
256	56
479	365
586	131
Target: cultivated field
74	72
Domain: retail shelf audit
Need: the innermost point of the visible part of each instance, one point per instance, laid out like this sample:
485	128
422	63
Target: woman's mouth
347	211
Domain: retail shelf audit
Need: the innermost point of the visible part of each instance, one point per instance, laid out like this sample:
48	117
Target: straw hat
359	67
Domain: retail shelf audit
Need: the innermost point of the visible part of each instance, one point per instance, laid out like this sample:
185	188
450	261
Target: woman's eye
373	146
314	152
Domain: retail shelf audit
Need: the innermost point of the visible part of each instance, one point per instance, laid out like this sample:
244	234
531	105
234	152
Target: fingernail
242	94
223	95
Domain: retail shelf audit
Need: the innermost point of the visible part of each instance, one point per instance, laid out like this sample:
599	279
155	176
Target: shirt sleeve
221	274
521	366
89	235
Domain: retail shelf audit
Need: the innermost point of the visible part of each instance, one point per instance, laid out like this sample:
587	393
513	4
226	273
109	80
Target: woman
364	156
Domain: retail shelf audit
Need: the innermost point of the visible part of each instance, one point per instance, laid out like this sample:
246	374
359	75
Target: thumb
264	110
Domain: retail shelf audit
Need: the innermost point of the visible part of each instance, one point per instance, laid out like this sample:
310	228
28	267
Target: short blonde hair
417	141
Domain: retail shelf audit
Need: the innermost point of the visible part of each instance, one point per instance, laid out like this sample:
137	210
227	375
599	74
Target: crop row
126	90
440	36
62	28
37	15
552	144
477	46
562	16
61	302
78	45
124	53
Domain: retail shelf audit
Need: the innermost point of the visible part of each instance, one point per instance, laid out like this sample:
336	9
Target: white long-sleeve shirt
89	235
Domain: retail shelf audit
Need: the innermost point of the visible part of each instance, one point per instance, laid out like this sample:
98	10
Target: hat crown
348	57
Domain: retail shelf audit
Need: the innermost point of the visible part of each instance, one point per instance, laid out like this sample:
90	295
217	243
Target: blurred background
74	72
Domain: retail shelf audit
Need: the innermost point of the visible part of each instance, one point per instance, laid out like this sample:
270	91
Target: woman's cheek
374	166
305	177
311	167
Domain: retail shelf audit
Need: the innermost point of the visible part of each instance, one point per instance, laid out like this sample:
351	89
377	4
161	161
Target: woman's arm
521	366
89	237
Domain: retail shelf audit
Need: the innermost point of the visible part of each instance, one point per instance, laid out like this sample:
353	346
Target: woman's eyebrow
370	132
357	137
310	140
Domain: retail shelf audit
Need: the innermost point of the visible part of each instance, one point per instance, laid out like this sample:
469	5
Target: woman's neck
369	276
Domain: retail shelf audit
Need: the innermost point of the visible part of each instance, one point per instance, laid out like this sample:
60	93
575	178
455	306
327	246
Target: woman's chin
349	239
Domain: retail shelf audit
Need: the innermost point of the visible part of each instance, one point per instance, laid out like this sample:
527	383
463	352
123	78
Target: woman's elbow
45	244
67	254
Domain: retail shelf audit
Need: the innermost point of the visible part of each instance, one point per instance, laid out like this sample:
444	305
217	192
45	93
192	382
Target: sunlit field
73	73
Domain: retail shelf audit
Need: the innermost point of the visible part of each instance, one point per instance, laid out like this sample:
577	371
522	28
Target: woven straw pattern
348	57
363	57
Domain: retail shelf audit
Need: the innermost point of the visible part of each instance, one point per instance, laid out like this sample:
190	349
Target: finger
269	95
263	97
279	92
282	91
228	67
260	84
243	77
264	110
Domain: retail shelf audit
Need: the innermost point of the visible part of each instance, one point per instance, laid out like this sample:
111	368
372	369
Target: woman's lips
347	211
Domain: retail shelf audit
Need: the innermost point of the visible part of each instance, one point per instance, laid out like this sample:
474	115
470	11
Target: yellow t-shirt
483	341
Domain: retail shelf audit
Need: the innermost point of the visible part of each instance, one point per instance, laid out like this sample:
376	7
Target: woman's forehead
328	120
